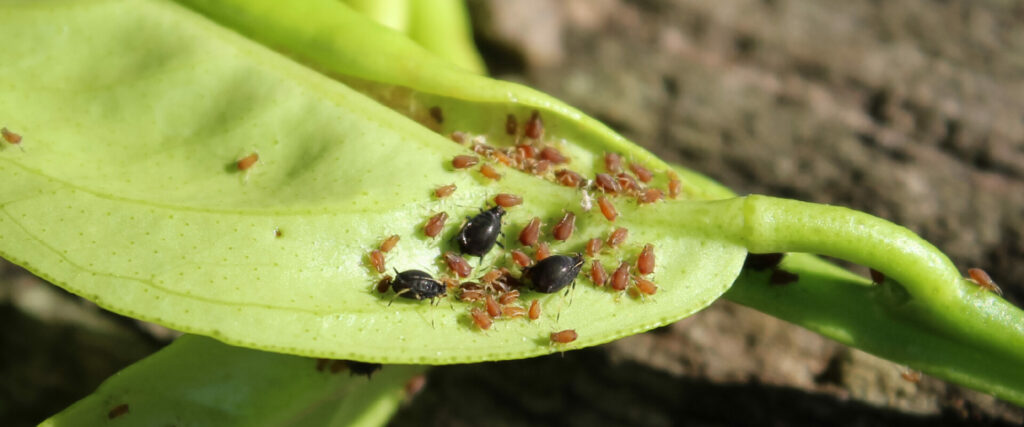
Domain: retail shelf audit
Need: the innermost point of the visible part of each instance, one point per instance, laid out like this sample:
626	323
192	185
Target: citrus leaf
952	315
126	192
199	381
938	296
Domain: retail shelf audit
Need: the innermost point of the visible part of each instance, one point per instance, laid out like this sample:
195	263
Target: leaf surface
126	192
199	381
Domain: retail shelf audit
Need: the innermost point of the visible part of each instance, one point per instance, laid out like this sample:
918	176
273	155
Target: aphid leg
558	312
396	295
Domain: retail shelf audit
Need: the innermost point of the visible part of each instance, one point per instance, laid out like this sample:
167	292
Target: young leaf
932	298
127	193
199	381
935	294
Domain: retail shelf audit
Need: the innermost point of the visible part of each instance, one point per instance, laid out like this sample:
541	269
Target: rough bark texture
911	110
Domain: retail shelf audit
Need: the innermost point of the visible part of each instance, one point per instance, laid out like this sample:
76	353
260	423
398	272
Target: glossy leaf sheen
199	381
134	113
968	336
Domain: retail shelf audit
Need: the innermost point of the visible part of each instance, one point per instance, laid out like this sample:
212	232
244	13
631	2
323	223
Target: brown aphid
627	183
458	137
674	188
552	155
617	237
594	246
535	310
278	233
471	292
530	233
568	178
509	297
457	264
543	251
444	191
877	277
246	162
540	167
534	128
607	183
607	208
389	243
984	280
620	278
437	114
508	200
612	162
528	151
563	230
521	258
377	259
646	286
597	273
513	311
321	364
911	376
502	158
414	386
650	195
489	171
482	320
563	337
642	173
645	262
782	277
480	146
511	124
506	281
493	309
384	284
10	137
449	282
491	276
435	224
464	161
117	411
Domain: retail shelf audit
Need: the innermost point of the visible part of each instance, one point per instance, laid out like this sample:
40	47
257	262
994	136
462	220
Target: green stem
928	287
837	304
927	315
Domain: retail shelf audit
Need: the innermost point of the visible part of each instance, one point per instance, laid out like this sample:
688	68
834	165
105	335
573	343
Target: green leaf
957	324
199	381
440	26
133	113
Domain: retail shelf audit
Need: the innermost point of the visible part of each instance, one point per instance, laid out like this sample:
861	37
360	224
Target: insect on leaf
128	192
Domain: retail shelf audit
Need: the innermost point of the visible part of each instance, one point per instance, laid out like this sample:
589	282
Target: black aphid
762	261
554	273
481	232
362	368
418	285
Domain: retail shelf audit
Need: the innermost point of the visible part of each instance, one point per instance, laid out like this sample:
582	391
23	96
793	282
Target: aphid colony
495	292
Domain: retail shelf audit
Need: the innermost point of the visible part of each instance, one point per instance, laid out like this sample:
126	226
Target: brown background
911	110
